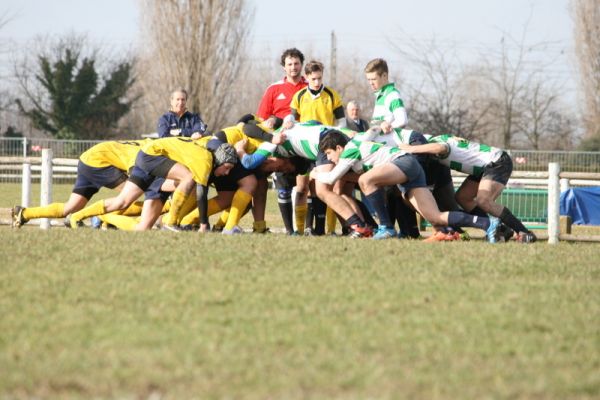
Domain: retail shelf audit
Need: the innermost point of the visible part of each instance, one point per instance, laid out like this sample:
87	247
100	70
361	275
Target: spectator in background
274	106
353	119
180	122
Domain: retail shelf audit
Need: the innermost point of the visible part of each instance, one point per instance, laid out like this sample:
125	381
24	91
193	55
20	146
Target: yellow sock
120	221
331	220
177	202
222	221
95	209
188	206
133	210
239	204
54	210
301	211
166	207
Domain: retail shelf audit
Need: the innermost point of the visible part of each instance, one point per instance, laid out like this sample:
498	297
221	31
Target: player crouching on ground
386	166
488	170
182	160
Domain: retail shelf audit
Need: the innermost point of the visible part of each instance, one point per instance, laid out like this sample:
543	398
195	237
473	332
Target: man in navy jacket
180	122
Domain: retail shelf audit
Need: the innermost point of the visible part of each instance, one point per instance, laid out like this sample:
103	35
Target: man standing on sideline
180	122
274	106
353	119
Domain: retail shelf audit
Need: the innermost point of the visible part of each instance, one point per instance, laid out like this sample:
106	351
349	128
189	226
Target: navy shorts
154	165
498	171
409	165
150	184
91	179
229	183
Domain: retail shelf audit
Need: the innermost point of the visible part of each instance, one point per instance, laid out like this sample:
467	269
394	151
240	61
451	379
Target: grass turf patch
116	314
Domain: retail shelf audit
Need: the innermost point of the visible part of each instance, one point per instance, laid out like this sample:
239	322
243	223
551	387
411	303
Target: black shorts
497	171
229	183
91	179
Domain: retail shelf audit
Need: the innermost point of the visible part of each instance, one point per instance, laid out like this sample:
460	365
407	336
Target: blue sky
363	27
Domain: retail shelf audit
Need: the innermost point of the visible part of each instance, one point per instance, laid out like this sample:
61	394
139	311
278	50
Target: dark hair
294	53
331	139
313	66
377	65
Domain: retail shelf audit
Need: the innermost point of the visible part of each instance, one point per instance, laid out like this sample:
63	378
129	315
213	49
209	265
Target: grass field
107	314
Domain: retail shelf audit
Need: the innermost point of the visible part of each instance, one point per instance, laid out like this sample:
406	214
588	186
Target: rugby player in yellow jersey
183	160
105	164
321	103
259	133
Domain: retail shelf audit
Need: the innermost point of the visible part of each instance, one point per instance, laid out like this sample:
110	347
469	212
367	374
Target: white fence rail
552	180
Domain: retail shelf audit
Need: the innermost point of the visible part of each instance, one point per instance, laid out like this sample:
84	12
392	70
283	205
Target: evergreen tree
77	103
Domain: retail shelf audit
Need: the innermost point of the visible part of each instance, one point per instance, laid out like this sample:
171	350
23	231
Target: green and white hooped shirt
466	156
302	140
389	107
360	156
396	137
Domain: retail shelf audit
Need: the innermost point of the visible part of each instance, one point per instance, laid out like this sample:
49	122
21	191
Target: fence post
553	202
24	147
46	184
26	184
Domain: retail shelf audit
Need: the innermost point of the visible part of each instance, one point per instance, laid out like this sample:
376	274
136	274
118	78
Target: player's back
119	154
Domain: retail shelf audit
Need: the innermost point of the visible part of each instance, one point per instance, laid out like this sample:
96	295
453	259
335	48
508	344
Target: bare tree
443	100
586	15
544	123
195	44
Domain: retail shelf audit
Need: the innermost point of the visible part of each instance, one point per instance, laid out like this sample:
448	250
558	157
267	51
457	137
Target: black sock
308	222
407	219
355	220
319	211
287	213
459	218
377	200
511	221
365	211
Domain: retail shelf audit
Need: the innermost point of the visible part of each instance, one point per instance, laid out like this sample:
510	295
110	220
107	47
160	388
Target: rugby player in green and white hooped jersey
389	111
379	166
302	140
489	169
